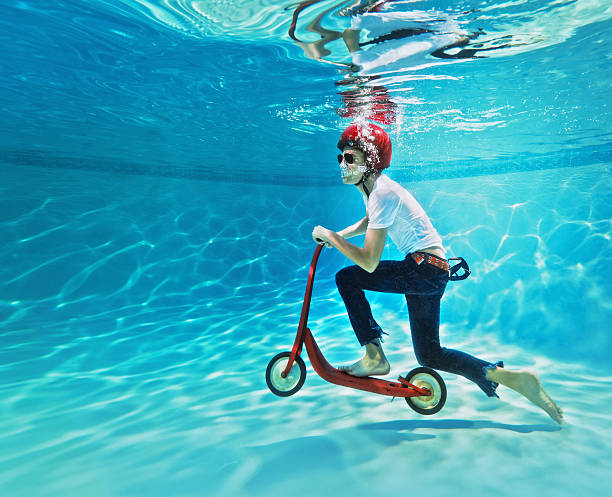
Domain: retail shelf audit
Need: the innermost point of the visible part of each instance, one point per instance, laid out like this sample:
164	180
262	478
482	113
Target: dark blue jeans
423	286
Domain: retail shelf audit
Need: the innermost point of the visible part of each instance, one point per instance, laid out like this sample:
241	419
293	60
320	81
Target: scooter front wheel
284	387
432	381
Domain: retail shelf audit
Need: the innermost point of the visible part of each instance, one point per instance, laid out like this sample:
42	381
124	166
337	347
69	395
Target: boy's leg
352	281
424	313
401	277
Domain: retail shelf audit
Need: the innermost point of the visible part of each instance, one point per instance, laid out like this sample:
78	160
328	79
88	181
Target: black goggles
347	157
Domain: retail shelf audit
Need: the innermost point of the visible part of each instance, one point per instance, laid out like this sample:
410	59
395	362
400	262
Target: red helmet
374	141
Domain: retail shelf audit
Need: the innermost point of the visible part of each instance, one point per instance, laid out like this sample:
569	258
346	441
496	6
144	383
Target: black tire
284	387
427	378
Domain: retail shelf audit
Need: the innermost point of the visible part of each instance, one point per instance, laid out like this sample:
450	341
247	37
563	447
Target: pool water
163	165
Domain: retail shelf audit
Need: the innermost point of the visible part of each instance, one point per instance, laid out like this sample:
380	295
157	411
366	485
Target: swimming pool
163	164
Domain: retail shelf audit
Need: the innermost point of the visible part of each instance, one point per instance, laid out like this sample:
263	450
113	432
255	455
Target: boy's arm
367	257
359	228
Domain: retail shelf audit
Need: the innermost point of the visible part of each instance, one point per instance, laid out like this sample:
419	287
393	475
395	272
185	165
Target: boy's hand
321	235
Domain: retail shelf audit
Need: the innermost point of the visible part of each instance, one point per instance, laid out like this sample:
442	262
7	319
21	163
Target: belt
420	257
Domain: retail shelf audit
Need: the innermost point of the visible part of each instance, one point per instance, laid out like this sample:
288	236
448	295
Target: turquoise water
163	164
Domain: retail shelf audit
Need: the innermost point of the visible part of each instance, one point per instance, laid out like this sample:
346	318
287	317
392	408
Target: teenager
421	276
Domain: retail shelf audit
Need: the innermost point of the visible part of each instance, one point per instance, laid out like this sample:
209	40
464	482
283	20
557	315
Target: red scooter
423	388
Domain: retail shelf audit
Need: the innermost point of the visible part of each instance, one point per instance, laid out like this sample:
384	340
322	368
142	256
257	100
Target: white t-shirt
391	206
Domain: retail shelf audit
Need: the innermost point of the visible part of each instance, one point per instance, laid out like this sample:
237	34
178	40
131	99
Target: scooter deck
368	384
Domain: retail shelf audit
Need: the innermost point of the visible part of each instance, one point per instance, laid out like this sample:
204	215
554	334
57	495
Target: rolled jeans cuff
488	386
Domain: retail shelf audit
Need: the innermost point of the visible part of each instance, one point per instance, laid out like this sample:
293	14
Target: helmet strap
363	179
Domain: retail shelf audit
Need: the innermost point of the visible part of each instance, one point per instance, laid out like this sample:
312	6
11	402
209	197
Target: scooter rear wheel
284	387
432	381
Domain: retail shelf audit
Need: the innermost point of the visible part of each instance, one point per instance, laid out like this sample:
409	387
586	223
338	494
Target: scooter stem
309	285
299	339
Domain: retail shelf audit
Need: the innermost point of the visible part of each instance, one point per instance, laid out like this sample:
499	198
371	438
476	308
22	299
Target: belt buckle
418	258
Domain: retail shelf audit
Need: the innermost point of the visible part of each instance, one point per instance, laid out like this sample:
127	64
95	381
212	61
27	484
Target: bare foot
374	363
528	385
366	368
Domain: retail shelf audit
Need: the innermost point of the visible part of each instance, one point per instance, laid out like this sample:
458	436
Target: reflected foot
528	385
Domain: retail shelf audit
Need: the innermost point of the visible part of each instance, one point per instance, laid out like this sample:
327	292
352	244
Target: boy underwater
421	276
